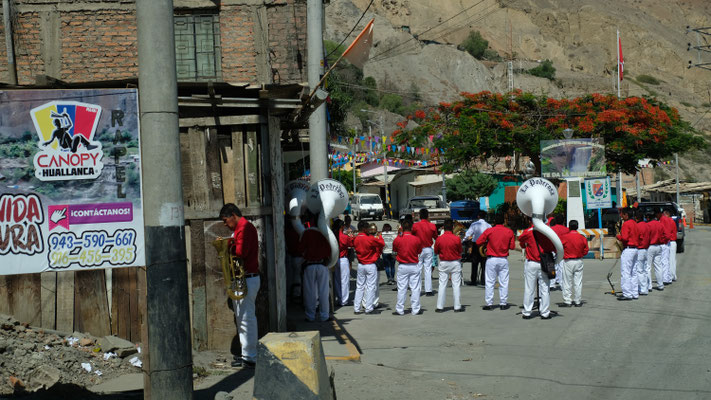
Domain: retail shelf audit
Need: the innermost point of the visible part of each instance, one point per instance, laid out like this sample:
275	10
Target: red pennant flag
621	60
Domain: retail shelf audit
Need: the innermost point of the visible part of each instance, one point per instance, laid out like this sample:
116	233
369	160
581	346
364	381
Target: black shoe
308	320
547	316
660	289
459	310
429	294
578	304
439	310
358	312
242	363
565	305
623	298
527	316
418	313
397	313
374	312
504	306
487	308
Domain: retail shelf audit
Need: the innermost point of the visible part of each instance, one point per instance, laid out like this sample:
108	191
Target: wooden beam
236	168
224	120
20	296
91	309
251	167
198	246
274	190
65	301
261	44
48	294
212	150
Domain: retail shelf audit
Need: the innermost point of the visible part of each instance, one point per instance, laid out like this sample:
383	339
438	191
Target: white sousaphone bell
537	197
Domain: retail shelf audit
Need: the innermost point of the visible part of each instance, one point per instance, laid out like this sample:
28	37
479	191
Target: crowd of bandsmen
414	246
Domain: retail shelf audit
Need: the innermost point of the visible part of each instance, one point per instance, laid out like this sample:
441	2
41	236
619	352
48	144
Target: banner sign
573	158
598	193
70	180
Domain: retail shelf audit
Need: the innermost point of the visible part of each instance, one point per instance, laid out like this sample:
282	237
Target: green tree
345	177
470	185
475	44
545	70
483	125
392	102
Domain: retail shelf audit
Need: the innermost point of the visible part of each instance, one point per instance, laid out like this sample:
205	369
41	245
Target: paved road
658	347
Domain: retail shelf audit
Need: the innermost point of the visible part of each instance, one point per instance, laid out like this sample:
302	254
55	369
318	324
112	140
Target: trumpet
232	269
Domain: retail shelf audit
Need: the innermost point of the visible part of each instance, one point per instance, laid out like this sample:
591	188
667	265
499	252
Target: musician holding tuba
245	245
478	258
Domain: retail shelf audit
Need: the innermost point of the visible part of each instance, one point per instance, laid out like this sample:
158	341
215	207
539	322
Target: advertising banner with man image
70	180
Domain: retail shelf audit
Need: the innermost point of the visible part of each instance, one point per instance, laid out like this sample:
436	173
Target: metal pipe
169	372
10	45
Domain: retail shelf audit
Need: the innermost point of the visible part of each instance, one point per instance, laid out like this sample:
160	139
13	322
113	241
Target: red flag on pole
359	51
621	61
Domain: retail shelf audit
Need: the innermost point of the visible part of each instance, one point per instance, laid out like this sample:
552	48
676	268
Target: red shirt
528	243
656	232
426	231
368	248
247	245
408	248
643	231
500	240
669	228
575	245
560	230
448	246
314	247
629	235
344	242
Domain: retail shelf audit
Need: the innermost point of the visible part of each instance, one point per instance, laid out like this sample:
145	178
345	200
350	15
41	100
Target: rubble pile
33	359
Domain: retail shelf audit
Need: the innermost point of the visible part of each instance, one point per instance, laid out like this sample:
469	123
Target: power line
427	30
353	29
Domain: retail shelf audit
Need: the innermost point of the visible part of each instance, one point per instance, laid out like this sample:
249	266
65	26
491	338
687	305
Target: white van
367	205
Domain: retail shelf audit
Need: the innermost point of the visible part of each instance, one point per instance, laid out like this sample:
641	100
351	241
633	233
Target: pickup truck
676	214
438	209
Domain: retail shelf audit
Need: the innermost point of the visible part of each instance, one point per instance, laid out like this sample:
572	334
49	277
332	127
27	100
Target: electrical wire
353	29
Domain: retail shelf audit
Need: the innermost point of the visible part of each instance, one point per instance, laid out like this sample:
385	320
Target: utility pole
168	368
9	46
385	169
355	188
318	145
676	163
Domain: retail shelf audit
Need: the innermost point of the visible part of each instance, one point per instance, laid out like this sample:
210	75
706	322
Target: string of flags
656	164
338	159
385	143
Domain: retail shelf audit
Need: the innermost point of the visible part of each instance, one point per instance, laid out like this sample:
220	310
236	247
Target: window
197	47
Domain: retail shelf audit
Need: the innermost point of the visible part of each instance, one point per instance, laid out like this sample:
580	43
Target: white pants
366	281
672	261
425	263
572	280
376	296
628	273
665	263
558	274
447	268
532	276
316	290
344	272
497	267
644	273
408	275
654	257
247	320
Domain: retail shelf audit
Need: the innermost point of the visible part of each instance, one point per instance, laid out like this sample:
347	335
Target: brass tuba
232	269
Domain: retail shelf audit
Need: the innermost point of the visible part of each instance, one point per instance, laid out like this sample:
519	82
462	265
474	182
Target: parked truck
438	209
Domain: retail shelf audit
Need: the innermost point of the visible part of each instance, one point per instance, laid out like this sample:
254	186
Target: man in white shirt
478	261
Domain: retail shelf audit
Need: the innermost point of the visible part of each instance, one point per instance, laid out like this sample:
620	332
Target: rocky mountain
415	46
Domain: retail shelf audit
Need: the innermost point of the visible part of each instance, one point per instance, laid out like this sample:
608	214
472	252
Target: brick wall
85	41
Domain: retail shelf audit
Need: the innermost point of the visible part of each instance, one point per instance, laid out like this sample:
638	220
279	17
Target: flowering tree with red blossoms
484	125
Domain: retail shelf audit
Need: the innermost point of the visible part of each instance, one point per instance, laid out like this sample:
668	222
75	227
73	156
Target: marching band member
670	233
499	240
644	271
533	275
246	245
427	233
575	247
315	250
654	252
388	256
557	223
343	270
628	272
449	248
368	250
408	248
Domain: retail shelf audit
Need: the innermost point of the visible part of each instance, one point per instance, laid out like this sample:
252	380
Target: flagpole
617	46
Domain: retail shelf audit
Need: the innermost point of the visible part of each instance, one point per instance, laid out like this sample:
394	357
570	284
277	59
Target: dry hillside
416	46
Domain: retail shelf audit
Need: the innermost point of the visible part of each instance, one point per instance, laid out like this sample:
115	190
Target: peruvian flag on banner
620	59
359	51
